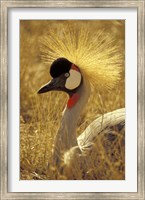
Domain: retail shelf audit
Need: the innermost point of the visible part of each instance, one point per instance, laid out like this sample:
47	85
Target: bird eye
66	74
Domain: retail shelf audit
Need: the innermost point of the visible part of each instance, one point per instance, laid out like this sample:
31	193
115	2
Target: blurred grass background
40	114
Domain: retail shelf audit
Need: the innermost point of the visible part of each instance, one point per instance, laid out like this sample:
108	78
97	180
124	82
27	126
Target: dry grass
40	115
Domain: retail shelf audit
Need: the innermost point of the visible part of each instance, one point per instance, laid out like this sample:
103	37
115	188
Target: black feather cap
60	66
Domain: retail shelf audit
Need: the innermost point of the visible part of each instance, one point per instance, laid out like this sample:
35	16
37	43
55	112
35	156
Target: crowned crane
76	69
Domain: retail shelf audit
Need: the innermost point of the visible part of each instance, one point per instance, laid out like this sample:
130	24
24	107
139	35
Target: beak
53	84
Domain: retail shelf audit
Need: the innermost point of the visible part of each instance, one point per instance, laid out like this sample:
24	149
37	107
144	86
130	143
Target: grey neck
66	136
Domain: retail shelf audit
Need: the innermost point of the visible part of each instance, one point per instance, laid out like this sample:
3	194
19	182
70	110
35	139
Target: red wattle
73	100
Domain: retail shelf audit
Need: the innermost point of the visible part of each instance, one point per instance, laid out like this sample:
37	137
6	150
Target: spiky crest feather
96	54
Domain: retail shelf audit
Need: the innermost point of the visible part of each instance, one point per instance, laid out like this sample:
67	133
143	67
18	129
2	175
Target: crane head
66	77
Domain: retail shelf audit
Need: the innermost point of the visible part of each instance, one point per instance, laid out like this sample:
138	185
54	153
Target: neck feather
66	136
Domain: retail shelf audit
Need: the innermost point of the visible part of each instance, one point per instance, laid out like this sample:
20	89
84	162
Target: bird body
98	153
101	148
111	119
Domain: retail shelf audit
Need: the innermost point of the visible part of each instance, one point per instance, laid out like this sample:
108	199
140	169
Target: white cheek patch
74	80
